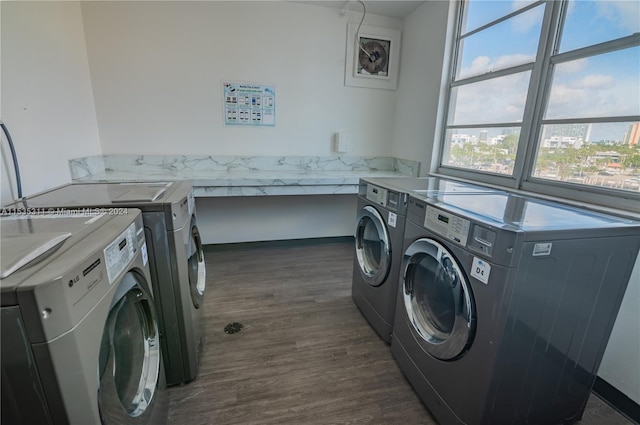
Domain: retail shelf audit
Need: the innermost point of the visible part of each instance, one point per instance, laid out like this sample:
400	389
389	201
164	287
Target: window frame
547	57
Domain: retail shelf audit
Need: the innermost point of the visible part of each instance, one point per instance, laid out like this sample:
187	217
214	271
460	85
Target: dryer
506	304
80	342
176	258
380	221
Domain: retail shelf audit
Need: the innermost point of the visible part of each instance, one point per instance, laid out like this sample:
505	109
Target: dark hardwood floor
305	354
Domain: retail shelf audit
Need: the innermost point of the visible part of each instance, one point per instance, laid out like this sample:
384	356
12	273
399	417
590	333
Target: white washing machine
175	254
80	342
380	221
506	304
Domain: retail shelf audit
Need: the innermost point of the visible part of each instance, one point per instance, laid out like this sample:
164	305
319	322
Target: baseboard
278	243
616	399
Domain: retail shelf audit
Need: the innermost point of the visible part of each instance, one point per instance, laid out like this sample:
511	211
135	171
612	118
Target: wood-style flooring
305	354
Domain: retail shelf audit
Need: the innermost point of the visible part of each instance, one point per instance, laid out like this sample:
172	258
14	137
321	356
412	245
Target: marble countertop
250	183
242	180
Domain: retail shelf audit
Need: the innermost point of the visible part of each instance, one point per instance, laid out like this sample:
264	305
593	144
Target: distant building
563	136
611	156
632	136
461	139
576	131
497	139
511	130
564	142
614	166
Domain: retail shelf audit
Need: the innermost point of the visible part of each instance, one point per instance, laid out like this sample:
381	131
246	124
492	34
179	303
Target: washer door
373	247
196	266
129	362
438	299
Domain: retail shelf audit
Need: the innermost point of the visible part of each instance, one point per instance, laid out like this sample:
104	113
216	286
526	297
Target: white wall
157	70
47	102
621	362
421	71
265	218
7	185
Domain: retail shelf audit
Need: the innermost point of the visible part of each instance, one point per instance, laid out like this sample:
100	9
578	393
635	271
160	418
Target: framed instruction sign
249	104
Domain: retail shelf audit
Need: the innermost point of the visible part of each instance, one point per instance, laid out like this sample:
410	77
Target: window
545	96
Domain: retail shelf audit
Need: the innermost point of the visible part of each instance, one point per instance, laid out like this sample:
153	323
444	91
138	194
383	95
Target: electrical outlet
342	142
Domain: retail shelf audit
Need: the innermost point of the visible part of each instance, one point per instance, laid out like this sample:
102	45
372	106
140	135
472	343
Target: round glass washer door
129	360
438	300
373	248
196	266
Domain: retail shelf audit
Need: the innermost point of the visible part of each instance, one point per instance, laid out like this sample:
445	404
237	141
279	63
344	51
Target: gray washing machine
79	342
175	255
382	206
506	304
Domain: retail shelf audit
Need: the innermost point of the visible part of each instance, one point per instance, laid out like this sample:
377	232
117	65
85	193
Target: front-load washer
175	255
382	205
79	341
506	304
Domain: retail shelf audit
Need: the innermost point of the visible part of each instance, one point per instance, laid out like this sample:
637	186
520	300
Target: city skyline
624	133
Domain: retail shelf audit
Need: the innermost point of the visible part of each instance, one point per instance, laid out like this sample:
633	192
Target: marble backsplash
84	167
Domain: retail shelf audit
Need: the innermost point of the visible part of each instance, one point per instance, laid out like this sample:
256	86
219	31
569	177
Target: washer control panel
446	224
120	252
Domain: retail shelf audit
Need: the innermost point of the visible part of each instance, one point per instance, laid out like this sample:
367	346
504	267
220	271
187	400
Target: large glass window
545	96
479	53
592	22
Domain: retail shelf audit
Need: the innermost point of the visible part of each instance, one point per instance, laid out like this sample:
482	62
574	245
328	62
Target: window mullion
493	74
461	10
539	88
485	125
597	49
501	19
591	120
456	48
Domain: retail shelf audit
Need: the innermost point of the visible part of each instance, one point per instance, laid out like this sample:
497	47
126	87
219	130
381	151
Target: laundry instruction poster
249	104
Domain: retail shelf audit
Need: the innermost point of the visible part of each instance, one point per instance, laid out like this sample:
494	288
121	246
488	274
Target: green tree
630	156
510	143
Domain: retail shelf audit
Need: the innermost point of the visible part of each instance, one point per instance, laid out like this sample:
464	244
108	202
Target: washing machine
79	341
176	258
506	304
380	221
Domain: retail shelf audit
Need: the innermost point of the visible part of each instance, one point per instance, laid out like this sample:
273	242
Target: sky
604	85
